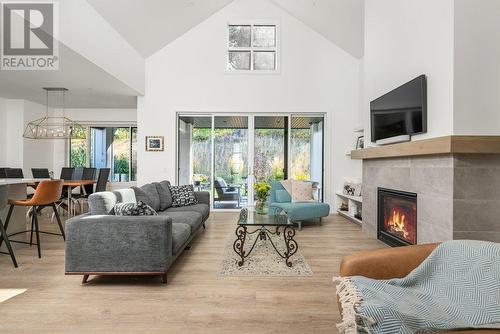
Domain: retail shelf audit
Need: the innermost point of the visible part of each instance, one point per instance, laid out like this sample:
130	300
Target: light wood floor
195	300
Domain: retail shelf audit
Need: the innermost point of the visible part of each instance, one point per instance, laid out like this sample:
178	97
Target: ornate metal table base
265	234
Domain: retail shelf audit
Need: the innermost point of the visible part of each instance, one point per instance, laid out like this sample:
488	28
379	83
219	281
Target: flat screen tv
402	111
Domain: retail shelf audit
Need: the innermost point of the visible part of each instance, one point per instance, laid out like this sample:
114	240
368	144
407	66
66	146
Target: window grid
252	49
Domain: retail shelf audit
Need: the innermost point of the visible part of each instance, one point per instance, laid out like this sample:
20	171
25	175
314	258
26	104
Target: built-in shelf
354	206
351	218
438	145
358	199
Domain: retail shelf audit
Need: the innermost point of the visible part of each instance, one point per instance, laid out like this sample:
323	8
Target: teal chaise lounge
296	211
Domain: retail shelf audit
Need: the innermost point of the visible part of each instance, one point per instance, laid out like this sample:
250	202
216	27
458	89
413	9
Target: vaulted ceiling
149	25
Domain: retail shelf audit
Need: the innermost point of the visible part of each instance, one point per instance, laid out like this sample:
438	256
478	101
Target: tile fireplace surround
458	195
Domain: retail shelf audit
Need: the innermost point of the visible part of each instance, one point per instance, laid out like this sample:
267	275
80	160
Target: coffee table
250	218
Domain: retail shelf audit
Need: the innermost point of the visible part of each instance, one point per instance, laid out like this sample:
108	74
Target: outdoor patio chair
226	193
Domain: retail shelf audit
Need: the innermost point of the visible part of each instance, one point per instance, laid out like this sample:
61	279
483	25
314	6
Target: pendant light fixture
48	127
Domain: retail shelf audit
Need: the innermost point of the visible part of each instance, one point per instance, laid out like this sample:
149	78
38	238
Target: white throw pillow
302	191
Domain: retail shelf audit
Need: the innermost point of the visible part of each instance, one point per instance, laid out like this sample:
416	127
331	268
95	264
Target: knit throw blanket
456	287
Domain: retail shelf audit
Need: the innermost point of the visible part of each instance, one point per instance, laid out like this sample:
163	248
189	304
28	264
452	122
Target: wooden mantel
438	145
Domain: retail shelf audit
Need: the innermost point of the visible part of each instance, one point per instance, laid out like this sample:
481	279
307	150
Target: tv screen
402	111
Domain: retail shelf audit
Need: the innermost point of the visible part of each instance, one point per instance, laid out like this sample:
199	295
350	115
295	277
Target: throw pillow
182	195
282	196
134	209
302	191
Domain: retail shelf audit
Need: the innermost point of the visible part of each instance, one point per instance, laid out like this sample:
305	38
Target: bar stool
3	234
46	194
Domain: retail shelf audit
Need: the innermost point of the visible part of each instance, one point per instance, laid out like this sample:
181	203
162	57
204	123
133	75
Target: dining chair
67	173
78	173
3	172
86	190
40	173
46	194
3	232
102	180
15	173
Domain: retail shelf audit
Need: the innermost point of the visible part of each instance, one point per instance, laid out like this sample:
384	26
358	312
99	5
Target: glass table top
250	217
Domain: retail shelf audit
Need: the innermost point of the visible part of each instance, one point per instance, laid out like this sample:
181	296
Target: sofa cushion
125	195
282	196
183	195
164	193
134	209
201	208
180	234
192	218
303	210
102	203
149	195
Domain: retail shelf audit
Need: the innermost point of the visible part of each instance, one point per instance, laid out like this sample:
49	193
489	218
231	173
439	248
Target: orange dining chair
46	194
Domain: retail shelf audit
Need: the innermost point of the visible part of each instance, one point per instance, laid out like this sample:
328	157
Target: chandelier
52	127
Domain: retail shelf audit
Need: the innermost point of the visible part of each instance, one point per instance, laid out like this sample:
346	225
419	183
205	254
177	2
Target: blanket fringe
350	299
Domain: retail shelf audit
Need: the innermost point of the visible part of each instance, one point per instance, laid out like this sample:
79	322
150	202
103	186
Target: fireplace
397	217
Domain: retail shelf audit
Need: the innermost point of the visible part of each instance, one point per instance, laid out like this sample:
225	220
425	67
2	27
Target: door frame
250	144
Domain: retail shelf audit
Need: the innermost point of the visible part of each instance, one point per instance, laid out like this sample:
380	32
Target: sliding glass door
231	163
227	154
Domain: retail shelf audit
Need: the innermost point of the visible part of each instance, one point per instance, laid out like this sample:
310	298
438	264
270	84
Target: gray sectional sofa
100	243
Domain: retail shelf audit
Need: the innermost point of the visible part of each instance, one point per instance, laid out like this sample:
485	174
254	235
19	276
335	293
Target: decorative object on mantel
155	143
52	127
360	142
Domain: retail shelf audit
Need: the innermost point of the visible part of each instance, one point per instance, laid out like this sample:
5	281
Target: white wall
189	75
15	151
477	67
406	38
36	153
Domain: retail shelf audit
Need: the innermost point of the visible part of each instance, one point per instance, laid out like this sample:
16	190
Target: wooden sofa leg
85	278
164	278
204	227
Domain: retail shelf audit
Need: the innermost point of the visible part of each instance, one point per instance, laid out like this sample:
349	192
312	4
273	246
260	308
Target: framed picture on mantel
155	143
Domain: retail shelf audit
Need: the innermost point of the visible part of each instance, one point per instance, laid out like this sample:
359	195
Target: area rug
9	293
263	261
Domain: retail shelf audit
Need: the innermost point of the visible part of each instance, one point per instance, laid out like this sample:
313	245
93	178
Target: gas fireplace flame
397	222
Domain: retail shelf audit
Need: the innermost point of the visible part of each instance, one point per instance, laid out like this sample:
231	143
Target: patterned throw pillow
134	209
182	195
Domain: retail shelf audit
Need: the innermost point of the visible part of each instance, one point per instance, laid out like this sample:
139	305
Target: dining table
75	184
70	184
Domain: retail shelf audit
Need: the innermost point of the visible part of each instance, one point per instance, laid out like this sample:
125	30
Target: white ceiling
89	86
149	25
340	21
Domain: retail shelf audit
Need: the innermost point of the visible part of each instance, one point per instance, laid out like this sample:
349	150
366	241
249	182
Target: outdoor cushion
149	195
164	193
282	196
180	234
303	210
193	219
201	208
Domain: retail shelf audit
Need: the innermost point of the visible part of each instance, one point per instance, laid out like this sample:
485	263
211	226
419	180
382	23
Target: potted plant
262	190
121	168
